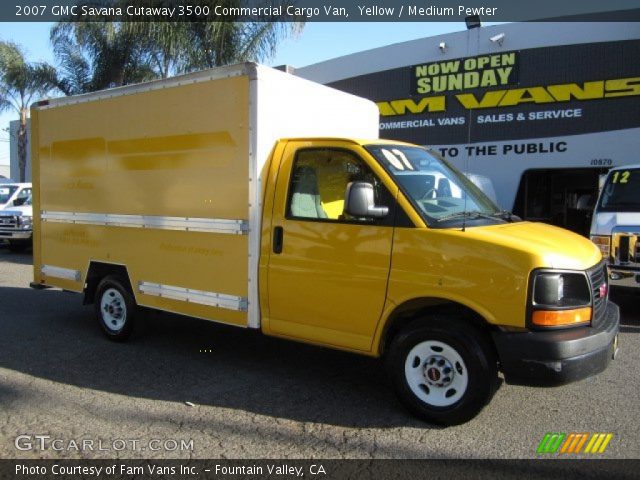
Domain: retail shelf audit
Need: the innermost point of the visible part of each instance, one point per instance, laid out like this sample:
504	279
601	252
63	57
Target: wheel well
418	309
99	270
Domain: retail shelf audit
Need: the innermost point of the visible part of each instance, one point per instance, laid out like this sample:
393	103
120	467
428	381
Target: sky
317	42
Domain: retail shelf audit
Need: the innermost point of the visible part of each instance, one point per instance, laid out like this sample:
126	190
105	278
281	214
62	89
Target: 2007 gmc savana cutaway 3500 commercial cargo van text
247	196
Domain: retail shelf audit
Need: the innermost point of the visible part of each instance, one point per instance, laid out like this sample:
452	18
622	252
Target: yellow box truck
248	196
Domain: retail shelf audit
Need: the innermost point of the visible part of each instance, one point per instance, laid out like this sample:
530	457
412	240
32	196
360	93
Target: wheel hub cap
114	309
438	371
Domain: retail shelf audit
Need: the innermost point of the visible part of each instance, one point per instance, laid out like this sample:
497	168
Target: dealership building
540	108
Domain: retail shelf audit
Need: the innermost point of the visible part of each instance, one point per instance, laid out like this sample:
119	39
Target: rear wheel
443	370
115	308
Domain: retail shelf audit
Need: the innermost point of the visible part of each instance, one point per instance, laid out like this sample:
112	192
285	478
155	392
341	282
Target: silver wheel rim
113	309
436	373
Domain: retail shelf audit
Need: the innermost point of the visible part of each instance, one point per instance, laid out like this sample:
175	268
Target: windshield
6	193
621	192
443	195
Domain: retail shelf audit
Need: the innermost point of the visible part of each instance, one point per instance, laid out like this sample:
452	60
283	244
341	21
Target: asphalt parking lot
184	388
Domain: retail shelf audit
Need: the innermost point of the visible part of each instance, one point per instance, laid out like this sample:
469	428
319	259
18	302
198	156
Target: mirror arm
378	211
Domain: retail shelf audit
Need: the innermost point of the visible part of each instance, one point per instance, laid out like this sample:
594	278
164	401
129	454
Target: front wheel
443	370
115	308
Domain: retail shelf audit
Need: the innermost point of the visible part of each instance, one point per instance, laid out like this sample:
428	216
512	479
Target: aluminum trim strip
212	299
255	206
60	272
189	224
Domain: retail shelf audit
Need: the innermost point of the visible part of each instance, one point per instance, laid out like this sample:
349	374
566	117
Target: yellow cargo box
164	179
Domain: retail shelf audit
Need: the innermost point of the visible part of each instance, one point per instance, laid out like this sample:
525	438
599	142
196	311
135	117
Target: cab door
327	273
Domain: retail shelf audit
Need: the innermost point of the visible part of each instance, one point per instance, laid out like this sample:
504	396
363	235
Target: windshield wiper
466	214
507	215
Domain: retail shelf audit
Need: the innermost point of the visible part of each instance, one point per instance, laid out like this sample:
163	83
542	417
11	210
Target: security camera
499	38
443	47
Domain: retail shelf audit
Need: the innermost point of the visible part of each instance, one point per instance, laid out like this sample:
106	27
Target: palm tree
99	55
165	44
182	47
22	82
231	41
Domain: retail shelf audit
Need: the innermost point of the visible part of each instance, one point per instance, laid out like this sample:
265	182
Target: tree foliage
98	55
222	43
95	56
21	83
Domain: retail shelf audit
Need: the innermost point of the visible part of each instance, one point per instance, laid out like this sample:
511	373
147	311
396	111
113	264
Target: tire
444	370
115	308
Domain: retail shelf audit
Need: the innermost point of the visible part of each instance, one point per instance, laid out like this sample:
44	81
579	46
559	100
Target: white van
13	191
615	227
16	224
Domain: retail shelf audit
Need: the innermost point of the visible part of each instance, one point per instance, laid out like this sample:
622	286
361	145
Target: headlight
26	221
603	242
560	299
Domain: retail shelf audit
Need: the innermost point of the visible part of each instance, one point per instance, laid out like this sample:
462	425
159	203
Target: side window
319	180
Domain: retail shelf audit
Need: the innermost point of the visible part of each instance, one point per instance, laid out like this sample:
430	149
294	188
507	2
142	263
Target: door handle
278	237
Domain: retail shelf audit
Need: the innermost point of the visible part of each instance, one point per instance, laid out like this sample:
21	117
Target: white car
16	223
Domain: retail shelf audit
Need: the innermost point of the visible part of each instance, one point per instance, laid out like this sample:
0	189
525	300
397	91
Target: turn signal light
559	318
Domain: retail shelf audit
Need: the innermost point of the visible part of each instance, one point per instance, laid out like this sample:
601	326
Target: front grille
8	221
625	249
597	276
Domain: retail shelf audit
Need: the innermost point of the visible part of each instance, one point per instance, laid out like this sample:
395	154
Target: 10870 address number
601	162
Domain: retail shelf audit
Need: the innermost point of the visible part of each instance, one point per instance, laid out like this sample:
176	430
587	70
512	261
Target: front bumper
15	234
558	357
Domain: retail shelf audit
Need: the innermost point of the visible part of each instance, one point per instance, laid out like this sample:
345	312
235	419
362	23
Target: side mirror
585	202
359	201
18	202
